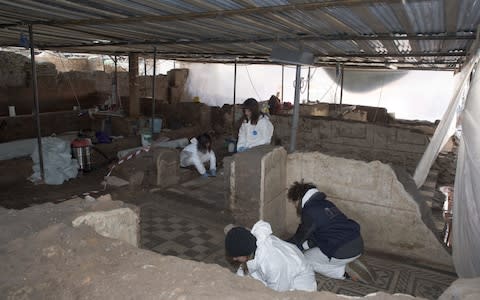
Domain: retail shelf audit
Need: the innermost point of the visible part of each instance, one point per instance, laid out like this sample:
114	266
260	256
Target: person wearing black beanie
276	263
240	242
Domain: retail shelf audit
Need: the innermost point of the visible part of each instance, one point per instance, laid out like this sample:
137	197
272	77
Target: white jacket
278	264
250	135
190	156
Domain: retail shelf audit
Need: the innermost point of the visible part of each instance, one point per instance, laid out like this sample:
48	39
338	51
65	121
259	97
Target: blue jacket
324	226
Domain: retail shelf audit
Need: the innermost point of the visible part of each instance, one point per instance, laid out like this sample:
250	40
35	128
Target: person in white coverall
199	152
279	265
256	128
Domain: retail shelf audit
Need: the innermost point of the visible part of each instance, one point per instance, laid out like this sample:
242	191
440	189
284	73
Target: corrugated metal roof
411	33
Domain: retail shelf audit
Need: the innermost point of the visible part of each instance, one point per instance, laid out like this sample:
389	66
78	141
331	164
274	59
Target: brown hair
252	105
204	143
296	192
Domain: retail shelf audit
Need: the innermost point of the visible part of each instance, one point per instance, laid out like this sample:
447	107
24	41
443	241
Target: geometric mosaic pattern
392	277
192	235
177	234
173	234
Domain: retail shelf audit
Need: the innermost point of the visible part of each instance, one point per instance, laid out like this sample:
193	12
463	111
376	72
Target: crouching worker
199	152
276	263
328	238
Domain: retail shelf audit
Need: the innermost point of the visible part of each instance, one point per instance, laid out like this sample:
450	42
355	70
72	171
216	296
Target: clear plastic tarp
466	207
446	127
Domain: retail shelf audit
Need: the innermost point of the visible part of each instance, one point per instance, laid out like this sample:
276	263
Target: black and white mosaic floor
198	235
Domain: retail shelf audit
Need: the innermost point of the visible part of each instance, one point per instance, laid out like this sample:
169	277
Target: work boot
358	271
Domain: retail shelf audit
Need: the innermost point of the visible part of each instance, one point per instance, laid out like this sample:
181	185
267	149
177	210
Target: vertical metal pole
234	95
308	85
283	79
341	86
115	85
35	99
153	84
174	64
296	109
145	67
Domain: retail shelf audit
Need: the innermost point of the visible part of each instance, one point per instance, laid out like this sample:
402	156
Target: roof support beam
343	37
208	14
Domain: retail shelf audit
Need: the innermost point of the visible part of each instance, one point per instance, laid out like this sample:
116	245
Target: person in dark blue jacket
327	237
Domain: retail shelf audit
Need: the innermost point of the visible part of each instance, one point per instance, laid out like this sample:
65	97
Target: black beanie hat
240	242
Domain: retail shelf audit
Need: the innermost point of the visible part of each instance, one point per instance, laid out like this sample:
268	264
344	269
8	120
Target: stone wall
179	115
255	186
392	220
81	81
23	127
356	140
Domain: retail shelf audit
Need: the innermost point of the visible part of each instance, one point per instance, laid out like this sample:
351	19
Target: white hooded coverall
191	156
278	264
250	135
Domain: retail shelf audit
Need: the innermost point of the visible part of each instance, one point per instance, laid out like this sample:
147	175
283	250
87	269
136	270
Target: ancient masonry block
255	184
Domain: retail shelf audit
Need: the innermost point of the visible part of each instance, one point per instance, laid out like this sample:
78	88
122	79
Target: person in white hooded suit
256	128
199	152
279	265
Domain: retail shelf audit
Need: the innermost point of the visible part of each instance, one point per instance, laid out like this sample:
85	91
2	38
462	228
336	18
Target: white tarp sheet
21	148
466	208
446	127
57	161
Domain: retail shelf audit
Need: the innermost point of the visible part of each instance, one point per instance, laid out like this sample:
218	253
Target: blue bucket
157	124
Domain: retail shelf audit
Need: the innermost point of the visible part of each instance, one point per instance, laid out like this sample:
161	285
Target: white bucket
11	111
146	138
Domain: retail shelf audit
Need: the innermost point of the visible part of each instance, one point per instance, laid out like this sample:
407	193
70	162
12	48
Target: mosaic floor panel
189	236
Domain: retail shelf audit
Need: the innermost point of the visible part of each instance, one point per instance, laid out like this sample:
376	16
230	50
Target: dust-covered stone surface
44	257
465	288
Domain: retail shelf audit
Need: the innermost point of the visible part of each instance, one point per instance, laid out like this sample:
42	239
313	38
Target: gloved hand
241	149
213	173
205	175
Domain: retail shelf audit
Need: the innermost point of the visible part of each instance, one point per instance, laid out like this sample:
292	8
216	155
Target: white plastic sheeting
466	209
446	127
57	160
21	148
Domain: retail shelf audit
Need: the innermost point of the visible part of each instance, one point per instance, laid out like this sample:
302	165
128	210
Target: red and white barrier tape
127	157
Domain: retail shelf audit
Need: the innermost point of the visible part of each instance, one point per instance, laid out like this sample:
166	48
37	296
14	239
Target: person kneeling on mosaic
199	152
328	239
277	264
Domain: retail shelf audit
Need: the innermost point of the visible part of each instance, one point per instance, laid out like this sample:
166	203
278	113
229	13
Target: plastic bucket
157	124
11	111
146	138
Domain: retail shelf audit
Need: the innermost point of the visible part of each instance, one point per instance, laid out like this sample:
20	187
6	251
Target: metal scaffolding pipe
308	85
283	79
115	95
145	67
153	85
296	109
35	99
234	95
341	86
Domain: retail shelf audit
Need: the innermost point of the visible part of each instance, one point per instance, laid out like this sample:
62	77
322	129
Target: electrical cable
379	99
328	90
251	82
69	81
